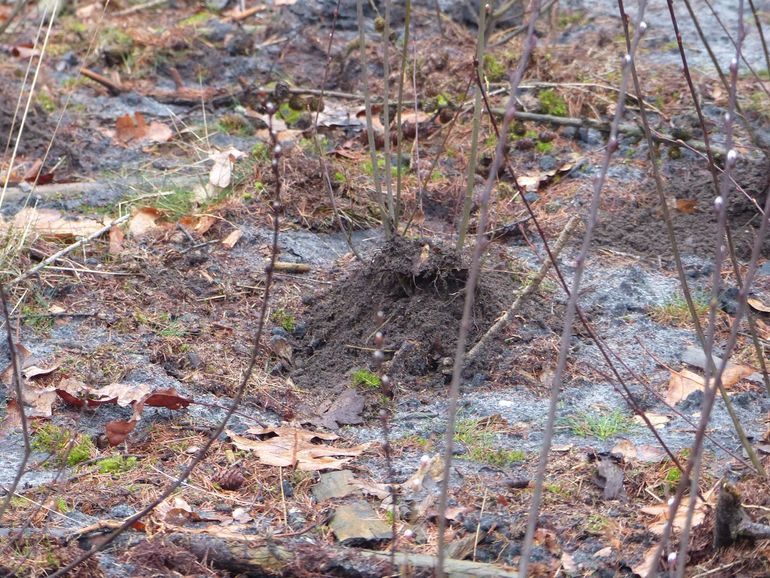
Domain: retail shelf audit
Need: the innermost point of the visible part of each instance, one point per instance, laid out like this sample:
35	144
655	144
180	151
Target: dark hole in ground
420	288
636	224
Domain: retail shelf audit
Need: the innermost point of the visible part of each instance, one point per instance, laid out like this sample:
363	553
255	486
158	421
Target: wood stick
114	88
292	267
505	319
69	248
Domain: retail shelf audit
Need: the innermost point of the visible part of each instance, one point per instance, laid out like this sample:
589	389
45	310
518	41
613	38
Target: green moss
596	523
284	319
340	178
673	475
443	101
61	506
497	457
570	18
76	26
551	103
172	330
543	147
36	317
59	442
367	167
494	70
288	114
116	465
366	379
197	19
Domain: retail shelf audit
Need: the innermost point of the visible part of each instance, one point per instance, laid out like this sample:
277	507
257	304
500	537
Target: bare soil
634	222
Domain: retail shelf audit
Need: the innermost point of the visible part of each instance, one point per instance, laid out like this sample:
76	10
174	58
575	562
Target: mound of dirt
420	288
637	225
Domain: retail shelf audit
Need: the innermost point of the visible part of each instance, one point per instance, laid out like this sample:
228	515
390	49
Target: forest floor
152	113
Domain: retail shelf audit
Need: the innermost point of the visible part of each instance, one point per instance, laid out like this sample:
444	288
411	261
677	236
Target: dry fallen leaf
650	561
231	239
294	446
77	393
642	452
660	513
758	305
136	129
686	206
144	222
116	240
682	384
222	172
52	224
654	418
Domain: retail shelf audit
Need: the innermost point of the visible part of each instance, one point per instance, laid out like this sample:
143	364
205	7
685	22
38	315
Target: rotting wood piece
281	557
731	521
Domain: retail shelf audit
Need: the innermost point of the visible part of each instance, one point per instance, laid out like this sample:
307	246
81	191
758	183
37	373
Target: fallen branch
277	557
628	129
114	88
506	318
69	248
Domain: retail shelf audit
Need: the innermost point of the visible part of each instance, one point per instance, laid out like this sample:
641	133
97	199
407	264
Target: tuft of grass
551	103
176	203
46	101
602	425
284	319
366	379
260	152
674	310
480	442
57	441
116	465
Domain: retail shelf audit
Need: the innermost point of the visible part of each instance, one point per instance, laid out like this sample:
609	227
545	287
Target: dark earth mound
637	224
420	288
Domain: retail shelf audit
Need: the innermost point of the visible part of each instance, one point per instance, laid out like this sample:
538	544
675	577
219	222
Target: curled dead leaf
134	129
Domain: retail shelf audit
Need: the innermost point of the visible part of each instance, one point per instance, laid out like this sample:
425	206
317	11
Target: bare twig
317	143
387	224
612	146
454	390
506	318
69	248
470	183
18	390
